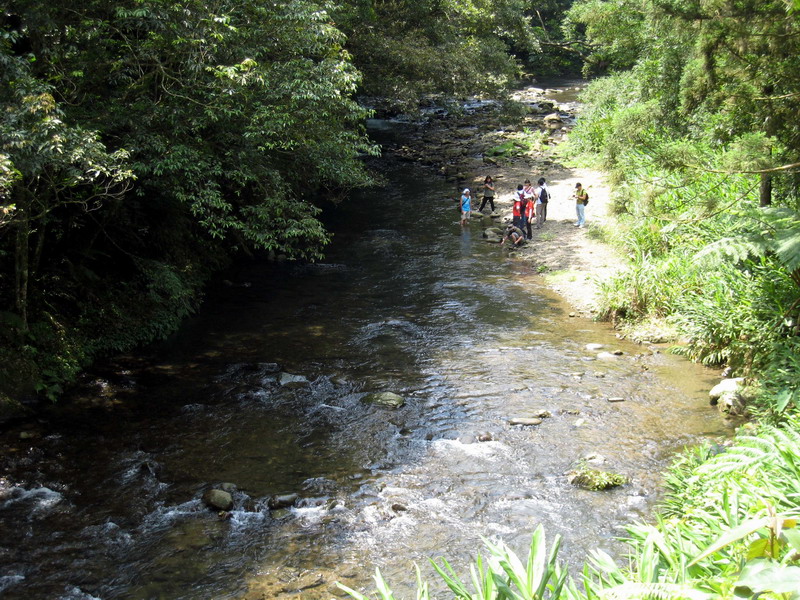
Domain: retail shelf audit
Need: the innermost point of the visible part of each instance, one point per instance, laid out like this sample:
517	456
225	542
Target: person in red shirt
528	202
516	209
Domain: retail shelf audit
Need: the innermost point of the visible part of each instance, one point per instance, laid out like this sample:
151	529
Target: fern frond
734	250
737	458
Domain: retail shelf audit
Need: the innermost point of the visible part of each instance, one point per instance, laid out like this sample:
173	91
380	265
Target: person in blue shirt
466	201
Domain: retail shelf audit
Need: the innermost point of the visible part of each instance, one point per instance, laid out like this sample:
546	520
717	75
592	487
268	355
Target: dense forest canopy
145	143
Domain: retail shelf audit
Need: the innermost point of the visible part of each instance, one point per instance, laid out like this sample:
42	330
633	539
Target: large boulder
218	499
729	396
726	386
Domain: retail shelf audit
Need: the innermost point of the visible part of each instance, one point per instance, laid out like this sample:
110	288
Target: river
104	501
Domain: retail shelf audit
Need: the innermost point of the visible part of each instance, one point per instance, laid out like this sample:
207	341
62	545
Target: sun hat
466	191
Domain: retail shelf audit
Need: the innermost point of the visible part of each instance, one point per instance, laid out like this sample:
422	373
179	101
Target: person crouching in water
515	235
466	198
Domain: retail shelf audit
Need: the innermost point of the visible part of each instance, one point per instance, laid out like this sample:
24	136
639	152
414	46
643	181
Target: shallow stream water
105	502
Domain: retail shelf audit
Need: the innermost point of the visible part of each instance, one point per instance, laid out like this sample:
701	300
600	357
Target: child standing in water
466	198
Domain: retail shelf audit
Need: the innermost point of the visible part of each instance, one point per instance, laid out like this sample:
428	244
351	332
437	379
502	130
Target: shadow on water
106	503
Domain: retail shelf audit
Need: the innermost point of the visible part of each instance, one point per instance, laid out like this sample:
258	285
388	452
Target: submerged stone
282	501
384	399
288	379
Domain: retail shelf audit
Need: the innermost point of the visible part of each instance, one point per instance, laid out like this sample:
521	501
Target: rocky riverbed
465	148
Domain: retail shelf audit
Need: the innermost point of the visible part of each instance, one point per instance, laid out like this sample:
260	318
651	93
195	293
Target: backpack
544	196
586	200
523	203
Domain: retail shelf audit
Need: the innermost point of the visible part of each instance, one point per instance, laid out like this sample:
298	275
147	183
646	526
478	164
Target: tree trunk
765	193
21	268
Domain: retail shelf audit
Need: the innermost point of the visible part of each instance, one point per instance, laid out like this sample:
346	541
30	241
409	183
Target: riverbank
466	148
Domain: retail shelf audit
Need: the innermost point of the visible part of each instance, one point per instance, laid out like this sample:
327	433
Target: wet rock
228	487
485	437
282	501
304	581
552	118
731	396
384	399
594	347
218	500
493	233
616	399
525	421
592	479
726	386
594	458
541	413
397	507
288	379
607	355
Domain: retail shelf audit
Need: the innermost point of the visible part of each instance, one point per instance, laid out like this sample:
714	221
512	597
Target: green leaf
729	537
759	549
768	576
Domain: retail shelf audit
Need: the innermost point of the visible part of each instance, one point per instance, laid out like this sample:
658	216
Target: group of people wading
529	208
